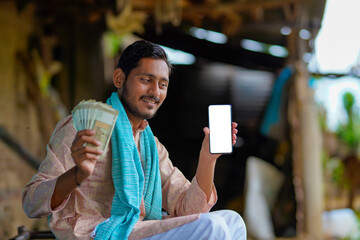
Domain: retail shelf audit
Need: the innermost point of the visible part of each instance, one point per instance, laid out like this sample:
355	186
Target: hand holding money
97	116
94	122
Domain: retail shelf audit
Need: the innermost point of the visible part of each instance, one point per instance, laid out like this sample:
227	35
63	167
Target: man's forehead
152	60
147	65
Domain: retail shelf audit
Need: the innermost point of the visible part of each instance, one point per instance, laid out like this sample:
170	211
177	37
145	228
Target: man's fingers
88	139
206	130
87	156
86	153
234	126
234	137
84	136
234	131
89	132
87	149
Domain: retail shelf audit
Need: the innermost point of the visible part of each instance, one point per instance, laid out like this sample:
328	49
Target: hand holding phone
220	119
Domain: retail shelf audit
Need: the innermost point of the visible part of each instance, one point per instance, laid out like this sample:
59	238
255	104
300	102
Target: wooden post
305	135
311	155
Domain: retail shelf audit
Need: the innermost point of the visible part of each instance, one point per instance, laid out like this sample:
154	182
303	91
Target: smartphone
220	119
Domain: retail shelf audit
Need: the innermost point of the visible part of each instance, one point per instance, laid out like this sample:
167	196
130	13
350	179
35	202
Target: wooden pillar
89	66
311	155
307	145
305	134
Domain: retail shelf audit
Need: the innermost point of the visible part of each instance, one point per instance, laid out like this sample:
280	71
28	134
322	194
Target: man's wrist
75	174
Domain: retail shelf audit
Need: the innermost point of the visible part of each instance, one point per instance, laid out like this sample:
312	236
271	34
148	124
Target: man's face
145	88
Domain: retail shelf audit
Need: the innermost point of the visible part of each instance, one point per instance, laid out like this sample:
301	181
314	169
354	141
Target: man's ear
118	77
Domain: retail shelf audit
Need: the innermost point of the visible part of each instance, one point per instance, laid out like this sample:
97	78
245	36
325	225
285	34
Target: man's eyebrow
152	75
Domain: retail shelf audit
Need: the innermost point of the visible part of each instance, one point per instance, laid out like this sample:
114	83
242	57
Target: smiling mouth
151	100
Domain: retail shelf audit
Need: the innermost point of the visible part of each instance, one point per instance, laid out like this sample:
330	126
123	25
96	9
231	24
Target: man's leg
217	225
235	223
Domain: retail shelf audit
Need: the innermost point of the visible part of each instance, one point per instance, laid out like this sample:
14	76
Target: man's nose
155	89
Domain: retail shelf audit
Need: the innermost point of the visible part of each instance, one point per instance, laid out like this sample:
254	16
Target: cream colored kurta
90	204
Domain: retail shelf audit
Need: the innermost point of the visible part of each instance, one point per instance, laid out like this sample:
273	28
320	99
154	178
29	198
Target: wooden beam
230	14
225	53
237	6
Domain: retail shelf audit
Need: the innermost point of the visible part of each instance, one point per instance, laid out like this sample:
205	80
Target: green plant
349	132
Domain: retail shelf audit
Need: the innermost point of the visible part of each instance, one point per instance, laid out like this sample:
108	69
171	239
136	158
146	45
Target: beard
131	107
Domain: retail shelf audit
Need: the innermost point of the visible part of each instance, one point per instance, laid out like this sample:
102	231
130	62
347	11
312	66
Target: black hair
138	50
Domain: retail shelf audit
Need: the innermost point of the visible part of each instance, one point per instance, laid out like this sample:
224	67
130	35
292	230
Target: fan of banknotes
98	116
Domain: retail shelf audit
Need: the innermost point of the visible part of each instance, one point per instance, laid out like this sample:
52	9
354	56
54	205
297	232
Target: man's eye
163	85
145	79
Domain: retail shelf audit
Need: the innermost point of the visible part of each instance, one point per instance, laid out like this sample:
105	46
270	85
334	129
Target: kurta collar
141	127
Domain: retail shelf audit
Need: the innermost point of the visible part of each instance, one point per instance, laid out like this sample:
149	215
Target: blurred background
289	68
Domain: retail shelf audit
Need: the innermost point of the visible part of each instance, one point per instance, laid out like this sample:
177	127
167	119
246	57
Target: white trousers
217	225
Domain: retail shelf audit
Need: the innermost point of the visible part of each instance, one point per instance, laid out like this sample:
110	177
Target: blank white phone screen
220	129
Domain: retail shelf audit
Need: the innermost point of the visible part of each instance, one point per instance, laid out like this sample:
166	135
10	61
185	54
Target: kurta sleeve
39	190
179	196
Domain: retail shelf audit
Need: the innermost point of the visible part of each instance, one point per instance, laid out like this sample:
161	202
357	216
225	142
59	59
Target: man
120	194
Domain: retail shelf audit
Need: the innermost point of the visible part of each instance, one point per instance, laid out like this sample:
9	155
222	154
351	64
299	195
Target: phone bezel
210	129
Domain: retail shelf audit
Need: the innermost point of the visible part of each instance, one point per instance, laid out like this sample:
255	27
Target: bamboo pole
311	155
